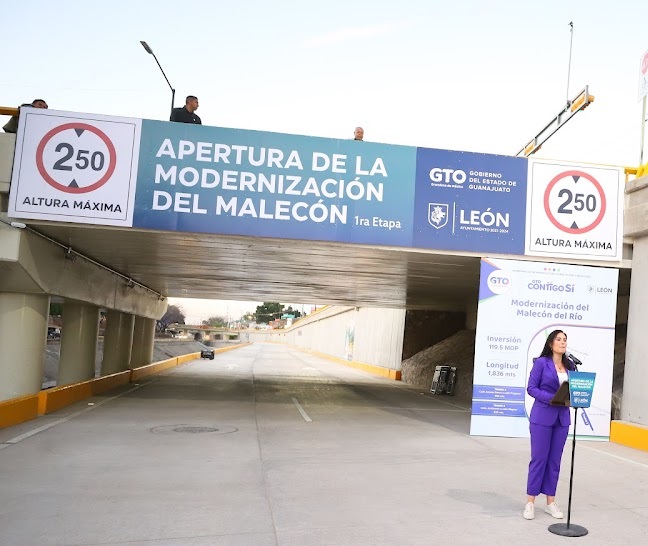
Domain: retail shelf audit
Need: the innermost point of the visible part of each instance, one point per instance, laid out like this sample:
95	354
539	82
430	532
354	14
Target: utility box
444	380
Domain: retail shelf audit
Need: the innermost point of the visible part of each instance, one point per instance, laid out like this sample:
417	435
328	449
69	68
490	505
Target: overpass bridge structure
206	332
112	213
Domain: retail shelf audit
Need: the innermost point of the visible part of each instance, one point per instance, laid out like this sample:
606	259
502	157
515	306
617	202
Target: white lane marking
301	410
35	431
615	456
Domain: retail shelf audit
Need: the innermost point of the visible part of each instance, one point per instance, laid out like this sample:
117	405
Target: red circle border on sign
597	185
76	125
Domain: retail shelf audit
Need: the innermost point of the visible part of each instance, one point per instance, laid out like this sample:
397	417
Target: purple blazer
543	385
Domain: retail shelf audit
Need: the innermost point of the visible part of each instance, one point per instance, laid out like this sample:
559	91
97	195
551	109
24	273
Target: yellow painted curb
371	368
18	410
155	367
629	434
54	399
188	357
225	349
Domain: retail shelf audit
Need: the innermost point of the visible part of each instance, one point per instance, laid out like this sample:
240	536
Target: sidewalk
306	452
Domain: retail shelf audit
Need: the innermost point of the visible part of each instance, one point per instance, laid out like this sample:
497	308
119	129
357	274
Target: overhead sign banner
520	304
471	202
93	169
75	168
230	181
574	211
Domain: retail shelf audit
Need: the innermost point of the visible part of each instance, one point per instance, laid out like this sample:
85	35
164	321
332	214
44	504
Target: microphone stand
568	529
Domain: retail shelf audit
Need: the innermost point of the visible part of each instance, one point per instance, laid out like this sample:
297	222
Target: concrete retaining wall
366	335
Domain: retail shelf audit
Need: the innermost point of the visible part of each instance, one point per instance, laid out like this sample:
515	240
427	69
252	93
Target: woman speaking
549	424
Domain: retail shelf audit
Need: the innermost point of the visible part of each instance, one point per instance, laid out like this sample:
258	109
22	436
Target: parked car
207	353
53	333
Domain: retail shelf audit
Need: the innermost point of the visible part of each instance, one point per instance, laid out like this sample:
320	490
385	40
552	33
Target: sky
472	75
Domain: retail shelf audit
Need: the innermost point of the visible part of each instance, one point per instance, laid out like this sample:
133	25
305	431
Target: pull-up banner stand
581	386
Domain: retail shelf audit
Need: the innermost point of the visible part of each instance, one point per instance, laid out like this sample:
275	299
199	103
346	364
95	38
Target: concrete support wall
635	384
31	264
378	337
634	407
368	335
471	315
118	342
78	343
143	339
7	147
23	337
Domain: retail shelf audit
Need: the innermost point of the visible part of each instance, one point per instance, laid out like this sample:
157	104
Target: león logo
438	214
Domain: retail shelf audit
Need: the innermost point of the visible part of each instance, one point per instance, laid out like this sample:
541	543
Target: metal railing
12	111
8	111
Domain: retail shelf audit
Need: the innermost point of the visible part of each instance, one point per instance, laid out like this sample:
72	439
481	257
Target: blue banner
471	202
498	409
581	387
229	181
498	393
236	182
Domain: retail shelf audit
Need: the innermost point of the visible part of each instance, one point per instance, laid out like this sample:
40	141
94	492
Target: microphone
575	360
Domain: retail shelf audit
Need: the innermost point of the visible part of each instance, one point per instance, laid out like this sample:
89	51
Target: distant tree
56	309
268	311
174	315
215	321
291	311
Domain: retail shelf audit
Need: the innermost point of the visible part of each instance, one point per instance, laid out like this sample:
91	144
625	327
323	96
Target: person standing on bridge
12	125
187	114
549	424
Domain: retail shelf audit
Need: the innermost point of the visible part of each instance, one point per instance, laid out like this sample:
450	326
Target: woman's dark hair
546	350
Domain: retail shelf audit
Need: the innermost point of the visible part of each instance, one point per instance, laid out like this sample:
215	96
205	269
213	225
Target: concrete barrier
18	410
152	369
54	399
186	358
629	434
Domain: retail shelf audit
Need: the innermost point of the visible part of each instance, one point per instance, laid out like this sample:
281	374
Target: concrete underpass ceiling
191	265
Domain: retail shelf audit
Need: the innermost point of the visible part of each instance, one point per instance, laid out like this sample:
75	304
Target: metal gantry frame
582	101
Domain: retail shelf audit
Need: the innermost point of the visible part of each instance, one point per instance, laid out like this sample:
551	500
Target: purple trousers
547	445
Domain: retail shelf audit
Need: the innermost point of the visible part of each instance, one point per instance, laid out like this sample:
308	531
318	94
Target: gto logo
499	281
448	176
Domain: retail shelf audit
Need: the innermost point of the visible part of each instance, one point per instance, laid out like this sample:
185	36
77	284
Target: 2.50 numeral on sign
96	161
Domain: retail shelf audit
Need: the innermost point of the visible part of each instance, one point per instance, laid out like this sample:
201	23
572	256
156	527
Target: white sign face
73	167
643	76
574	211
520	304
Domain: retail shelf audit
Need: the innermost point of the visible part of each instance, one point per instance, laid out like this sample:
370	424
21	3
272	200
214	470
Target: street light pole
150	52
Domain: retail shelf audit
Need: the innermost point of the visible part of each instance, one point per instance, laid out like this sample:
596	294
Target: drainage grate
193	429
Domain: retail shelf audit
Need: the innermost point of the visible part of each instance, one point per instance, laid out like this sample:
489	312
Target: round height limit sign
75	168
76	158
574	202
574	211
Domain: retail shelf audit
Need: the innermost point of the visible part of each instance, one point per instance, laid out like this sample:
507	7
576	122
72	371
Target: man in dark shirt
12	125
186	114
